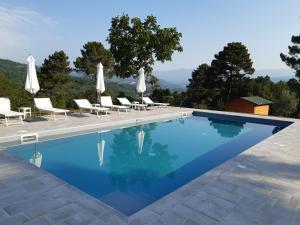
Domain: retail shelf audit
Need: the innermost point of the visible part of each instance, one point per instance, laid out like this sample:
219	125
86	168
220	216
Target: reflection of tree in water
226	128
276	129
128	167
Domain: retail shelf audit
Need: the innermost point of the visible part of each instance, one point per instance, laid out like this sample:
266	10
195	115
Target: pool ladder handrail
29	138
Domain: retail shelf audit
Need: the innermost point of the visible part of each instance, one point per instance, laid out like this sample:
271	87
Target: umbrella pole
98	97
33	108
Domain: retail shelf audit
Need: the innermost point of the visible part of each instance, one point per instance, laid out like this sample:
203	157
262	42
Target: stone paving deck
46	126
259	186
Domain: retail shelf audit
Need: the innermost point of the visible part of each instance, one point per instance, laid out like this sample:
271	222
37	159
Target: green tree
294	86
261	86
91	54
285	102
292	59
230	66
58	62
201	92
162	95
135	43
54	76
14	91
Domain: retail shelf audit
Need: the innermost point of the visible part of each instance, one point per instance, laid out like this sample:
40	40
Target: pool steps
29	138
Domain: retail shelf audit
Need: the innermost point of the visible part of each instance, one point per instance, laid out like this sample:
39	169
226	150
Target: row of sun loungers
44	105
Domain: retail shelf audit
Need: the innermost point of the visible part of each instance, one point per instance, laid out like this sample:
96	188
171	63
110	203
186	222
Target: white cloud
24	31
12	18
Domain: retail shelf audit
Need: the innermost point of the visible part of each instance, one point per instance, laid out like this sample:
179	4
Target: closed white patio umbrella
100	86
32	84
141	84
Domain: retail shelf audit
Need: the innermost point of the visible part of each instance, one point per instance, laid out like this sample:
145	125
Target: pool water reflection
132	167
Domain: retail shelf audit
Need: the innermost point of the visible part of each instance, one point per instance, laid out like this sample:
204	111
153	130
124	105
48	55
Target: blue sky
41	27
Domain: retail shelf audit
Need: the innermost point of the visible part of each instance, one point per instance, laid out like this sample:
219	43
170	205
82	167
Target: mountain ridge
175	80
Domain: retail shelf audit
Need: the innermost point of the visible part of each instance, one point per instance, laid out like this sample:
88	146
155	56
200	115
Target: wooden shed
252	104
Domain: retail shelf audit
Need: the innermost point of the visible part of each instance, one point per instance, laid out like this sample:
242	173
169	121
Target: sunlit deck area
46	126
259	186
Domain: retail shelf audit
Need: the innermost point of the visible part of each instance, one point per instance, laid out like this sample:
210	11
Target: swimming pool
132	167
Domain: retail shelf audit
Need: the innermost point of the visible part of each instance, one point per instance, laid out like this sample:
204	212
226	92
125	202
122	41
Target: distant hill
172	79
177	78
132	82
13	70
276	74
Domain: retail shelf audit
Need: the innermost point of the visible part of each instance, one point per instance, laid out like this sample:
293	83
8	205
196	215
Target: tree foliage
285	102
135	43
54	76
211	86
92	54
230	66
57	63
15	92
201	92
293	58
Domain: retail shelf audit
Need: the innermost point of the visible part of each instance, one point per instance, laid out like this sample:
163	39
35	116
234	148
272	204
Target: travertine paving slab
259	186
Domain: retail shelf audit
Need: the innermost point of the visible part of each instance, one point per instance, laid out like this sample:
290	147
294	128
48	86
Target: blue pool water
132	167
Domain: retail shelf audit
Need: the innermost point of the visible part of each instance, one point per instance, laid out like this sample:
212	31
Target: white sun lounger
84	104
45	105
126	102
106	101
149	102
5	110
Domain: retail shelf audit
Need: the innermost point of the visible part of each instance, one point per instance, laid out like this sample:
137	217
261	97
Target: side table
26	111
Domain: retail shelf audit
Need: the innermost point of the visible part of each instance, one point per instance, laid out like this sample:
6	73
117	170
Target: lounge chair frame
126	102
84	104
45	105
149	102
5	110
106	101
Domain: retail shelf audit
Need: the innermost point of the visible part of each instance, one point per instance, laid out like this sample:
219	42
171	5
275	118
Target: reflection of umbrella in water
140	139
101	146
36	159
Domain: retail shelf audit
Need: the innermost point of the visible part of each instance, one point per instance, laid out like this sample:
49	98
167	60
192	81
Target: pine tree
92	54
293	58
293	61
230	66
54	76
